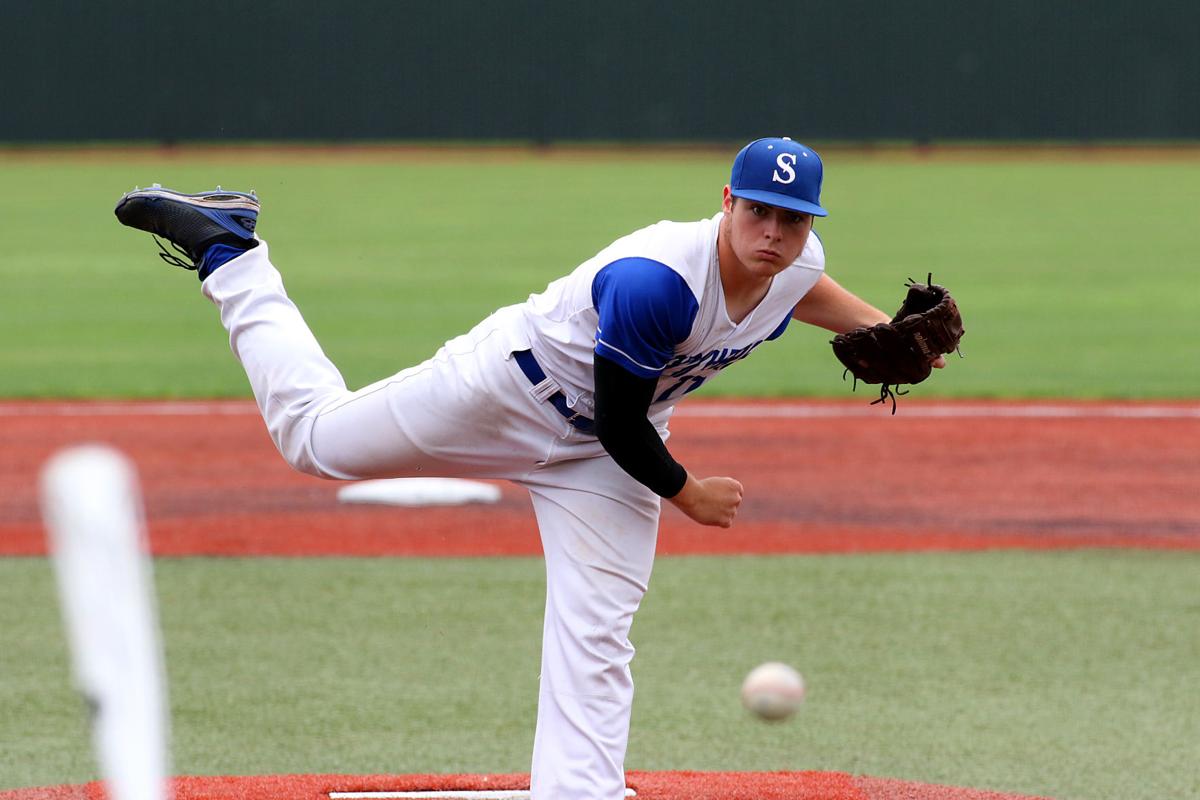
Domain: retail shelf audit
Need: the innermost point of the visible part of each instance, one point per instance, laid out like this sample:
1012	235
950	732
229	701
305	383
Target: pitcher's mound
647	785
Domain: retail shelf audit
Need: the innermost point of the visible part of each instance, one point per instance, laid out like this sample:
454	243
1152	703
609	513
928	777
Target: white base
419	492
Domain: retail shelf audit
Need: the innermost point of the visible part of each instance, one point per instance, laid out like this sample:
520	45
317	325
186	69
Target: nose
772	228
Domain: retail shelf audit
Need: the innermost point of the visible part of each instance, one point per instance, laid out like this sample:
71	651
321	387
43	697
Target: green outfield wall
536	70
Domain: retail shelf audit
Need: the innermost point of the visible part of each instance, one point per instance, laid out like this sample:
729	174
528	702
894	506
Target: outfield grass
1065	674
1076	278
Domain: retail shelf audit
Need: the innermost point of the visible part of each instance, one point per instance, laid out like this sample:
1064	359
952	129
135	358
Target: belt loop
545	390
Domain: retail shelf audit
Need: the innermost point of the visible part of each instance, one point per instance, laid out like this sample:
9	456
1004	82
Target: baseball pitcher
568	394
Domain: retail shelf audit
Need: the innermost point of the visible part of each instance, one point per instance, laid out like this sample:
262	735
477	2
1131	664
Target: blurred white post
92	508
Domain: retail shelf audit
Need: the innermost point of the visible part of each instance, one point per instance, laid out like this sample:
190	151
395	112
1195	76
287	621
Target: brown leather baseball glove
903	351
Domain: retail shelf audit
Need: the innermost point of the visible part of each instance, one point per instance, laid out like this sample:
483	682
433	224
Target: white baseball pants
470	411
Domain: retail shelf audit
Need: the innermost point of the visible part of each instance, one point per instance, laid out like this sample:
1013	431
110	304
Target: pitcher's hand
710	501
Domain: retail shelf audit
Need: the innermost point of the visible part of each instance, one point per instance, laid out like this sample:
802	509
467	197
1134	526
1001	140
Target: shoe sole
189	220
219	200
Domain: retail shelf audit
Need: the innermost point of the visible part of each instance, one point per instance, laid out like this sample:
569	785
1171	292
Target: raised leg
465	411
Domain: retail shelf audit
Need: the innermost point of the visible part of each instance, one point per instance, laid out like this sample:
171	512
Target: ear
727	199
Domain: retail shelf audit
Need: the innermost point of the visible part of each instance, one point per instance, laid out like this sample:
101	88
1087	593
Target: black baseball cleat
191	222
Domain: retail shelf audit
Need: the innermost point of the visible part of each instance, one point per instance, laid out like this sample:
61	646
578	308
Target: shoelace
174	260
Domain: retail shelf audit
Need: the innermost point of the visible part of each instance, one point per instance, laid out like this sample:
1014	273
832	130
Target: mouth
768	255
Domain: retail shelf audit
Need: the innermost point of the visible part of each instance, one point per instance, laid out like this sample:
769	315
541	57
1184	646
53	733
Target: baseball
773	691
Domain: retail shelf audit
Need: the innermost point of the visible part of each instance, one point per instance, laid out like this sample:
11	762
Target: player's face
765	239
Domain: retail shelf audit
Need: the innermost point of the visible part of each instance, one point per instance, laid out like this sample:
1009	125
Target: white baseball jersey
652	302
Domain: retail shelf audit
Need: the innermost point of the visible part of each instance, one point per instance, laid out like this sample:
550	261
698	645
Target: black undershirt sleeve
622	401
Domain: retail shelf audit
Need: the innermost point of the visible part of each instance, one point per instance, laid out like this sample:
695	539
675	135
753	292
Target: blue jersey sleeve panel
645	308
782	327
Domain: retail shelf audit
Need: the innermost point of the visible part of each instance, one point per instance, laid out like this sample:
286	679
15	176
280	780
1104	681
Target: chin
769	267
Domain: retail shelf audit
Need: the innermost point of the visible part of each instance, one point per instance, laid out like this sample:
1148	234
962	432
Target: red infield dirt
648	785
820	477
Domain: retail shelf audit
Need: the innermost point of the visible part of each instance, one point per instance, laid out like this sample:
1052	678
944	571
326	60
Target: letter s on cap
785	162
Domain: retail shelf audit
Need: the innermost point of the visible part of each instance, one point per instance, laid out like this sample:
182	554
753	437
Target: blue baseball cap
779	172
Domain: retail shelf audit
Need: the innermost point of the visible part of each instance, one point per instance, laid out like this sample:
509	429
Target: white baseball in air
773	691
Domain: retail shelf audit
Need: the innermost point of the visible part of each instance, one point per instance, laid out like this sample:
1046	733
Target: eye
758	210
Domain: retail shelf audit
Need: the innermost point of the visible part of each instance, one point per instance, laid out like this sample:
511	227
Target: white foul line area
700	409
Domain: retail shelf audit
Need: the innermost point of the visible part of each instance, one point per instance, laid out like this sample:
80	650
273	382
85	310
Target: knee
607	670
592	656
309	467
294	442
303	462
608	647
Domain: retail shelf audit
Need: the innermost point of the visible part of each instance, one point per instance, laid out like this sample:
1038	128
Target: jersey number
695	380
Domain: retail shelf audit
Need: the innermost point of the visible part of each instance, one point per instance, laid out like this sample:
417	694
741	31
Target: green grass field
1075	278
1065	674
